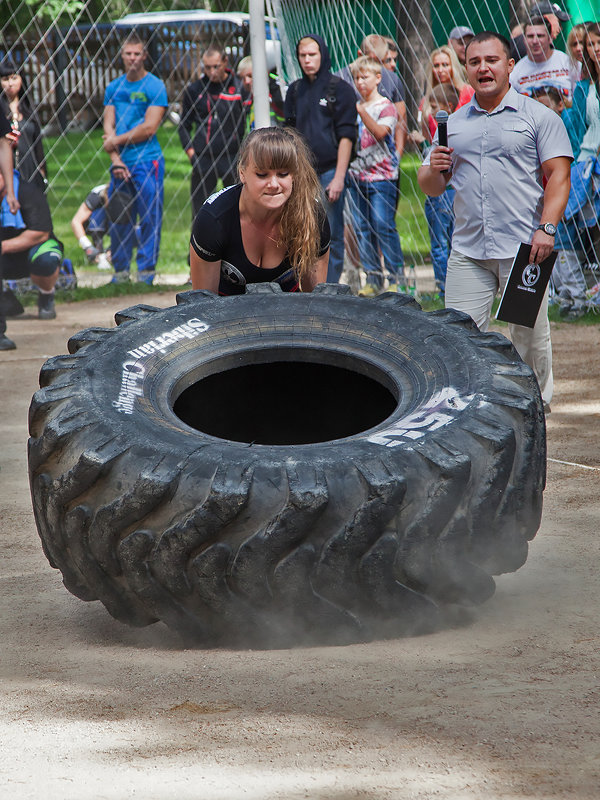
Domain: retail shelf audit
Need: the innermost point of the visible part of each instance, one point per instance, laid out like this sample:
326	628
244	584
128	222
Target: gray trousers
472	284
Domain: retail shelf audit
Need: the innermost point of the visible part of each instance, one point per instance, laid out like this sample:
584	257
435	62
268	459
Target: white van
180	29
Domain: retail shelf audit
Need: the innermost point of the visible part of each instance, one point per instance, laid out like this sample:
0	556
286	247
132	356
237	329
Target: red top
465	94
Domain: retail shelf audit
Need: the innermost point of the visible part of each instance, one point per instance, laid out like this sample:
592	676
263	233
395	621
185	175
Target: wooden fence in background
67	71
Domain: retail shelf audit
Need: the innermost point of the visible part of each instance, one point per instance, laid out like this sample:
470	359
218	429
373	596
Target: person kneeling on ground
28	249
90	224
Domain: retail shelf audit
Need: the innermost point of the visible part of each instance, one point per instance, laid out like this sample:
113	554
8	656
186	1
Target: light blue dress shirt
497	174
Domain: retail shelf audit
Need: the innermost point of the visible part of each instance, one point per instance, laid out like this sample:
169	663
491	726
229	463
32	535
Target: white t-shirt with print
557	71
376	160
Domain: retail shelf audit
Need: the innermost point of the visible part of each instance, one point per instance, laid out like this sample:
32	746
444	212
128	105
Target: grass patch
109	290
117	290
589	318
77	163
410	218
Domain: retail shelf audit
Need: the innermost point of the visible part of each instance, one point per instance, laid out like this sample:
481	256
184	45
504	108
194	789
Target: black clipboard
524	291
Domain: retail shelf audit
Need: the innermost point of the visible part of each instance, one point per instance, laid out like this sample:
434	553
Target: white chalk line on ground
573	464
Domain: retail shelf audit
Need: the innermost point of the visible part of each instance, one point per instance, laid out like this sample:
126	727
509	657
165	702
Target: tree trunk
415	40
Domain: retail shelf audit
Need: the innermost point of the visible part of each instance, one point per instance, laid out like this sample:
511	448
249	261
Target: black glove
92	254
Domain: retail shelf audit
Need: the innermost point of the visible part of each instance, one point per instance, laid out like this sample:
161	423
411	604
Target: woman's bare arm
205	274
318	274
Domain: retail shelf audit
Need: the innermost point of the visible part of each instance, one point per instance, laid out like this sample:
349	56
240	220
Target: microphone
442	125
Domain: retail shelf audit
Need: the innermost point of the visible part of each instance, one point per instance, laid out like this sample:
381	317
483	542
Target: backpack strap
331	95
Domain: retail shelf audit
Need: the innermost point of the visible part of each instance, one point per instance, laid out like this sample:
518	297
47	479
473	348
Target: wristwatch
548	228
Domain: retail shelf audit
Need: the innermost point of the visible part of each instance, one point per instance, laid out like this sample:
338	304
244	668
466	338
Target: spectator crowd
355	125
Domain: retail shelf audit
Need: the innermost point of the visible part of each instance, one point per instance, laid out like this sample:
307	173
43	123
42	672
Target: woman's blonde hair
458	76
576	32
304	212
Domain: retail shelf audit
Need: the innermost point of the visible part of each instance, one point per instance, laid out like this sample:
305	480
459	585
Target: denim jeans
146	187
440	221
335	216
374	207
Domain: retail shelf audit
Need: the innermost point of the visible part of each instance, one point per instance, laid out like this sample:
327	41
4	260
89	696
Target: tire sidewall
436	374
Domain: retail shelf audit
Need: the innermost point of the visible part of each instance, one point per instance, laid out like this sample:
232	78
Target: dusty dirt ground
506	706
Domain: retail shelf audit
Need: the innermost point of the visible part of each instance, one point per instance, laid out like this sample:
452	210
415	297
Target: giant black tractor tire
275	468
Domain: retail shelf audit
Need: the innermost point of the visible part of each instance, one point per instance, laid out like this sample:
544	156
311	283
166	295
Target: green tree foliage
54	10
21	16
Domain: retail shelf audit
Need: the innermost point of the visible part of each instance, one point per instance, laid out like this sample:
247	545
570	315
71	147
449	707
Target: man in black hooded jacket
323	108
213	106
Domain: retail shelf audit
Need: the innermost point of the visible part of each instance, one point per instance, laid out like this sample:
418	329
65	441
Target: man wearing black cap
553	13
555	16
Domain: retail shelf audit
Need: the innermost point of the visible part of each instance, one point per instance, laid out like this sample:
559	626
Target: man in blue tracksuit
322	107
134	105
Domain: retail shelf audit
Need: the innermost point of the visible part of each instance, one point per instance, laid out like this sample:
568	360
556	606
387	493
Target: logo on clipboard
531	274
525	288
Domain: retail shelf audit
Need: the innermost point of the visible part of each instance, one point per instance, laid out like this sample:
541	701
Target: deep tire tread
88	337
264	288
134	313
194	296
332	289
398	299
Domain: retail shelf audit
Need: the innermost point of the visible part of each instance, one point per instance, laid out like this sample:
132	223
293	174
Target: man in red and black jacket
213	106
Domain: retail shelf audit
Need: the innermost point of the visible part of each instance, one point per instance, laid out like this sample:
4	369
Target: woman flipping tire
274	468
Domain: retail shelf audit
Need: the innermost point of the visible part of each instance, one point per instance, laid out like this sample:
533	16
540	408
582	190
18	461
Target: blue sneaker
66	276
121	277
145	276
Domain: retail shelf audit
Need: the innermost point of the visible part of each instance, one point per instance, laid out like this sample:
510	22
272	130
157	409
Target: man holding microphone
509	161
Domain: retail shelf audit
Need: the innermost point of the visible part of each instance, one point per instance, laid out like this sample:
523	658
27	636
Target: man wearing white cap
458	38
